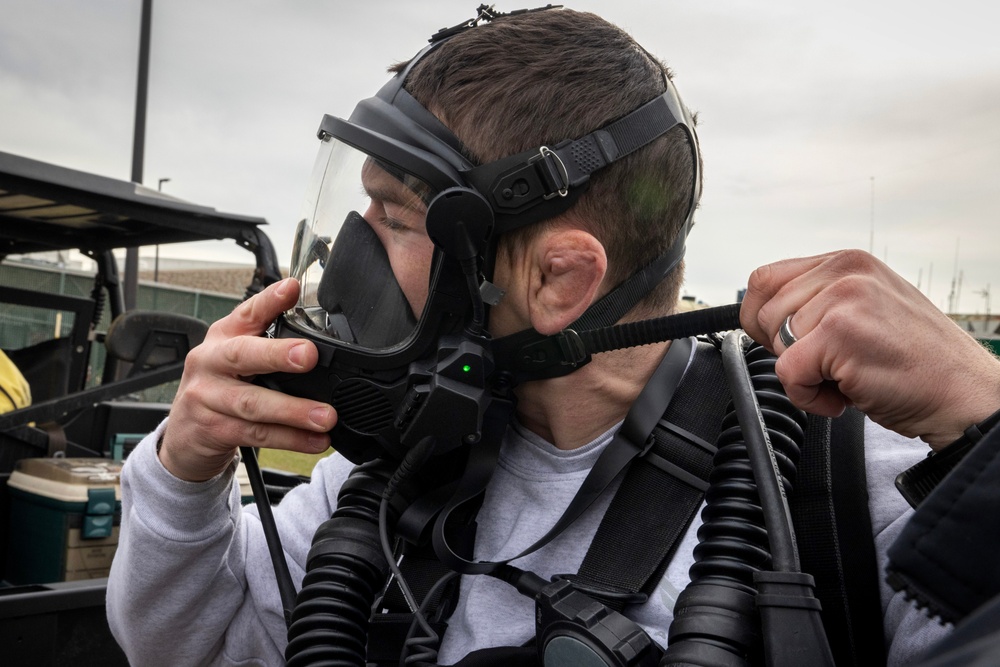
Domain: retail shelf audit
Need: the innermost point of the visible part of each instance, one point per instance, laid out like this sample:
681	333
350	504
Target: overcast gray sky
803	109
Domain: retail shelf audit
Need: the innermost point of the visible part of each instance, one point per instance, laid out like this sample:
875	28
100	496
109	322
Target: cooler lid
66	479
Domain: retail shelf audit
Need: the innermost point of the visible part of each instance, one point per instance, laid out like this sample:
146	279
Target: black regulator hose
715	619
349	564
756	392
345	571
791	625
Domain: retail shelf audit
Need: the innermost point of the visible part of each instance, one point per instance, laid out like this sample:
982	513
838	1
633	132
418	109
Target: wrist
959	388
963	405
182	469
918	481
967	427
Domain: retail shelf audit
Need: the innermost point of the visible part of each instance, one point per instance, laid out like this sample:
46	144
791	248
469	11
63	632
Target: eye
392	224
378	215
398	217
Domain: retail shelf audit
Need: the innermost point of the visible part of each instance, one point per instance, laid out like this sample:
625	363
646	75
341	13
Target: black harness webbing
630	442
829	507
639	534
834	533
662	491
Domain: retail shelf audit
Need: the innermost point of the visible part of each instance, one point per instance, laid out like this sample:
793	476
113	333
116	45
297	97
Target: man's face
398	216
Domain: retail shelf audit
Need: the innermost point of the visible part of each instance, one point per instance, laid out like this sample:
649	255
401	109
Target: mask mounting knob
459	222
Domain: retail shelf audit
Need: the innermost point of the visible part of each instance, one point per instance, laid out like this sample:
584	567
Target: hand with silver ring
931	383
785	332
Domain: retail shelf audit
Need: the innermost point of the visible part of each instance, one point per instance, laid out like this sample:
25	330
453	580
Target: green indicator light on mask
466	368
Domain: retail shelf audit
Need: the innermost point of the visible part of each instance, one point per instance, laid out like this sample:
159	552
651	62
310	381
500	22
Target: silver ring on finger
785	332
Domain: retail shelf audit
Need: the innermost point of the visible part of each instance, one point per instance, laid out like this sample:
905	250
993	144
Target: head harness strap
517	183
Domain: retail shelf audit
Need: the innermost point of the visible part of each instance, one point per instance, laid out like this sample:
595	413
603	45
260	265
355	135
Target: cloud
800	106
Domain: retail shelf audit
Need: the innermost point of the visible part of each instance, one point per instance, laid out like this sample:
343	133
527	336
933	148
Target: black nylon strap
615	304
529	355
544	181
645	123
653	507
622	137
502	656
834	534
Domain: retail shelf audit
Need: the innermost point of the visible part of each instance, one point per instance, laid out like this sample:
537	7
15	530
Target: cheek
409	257
411	265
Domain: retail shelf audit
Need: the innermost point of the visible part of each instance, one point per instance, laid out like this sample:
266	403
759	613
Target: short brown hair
536	79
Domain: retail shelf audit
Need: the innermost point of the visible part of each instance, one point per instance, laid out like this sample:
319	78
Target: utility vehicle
85	357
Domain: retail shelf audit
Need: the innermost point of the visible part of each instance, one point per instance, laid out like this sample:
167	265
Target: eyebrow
392	195
384	186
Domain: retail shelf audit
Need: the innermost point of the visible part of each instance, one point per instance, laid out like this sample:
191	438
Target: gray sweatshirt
192	582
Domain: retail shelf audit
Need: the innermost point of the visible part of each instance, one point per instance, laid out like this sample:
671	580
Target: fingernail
318	441
319	416
282	288
297	354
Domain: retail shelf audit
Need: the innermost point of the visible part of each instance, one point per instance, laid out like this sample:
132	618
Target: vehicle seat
148	339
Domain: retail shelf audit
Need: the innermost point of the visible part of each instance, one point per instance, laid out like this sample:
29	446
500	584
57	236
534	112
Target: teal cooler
64	517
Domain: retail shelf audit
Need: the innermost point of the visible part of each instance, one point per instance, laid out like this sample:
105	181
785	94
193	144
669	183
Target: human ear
568	267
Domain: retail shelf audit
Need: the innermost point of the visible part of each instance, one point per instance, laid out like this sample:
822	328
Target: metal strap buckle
545	152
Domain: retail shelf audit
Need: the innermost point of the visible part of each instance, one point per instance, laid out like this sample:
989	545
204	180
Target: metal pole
156	261
131	286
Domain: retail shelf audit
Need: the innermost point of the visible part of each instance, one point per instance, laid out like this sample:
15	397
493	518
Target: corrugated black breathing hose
715	618
345	571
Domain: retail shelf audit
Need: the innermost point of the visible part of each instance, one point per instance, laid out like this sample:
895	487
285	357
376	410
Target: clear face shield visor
361	251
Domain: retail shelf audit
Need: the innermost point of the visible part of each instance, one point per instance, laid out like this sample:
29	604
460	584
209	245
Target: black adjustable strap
833	528
630	442
615	304
661	491
421	569
528	355
524	180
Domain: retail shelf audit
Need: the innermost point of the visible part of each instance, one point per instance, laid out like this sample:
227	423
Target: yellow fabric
16	391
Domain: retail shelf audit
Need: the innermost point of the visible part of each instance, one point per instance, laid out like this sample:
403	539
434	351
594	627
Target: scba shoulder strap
674	474
834	533
829	506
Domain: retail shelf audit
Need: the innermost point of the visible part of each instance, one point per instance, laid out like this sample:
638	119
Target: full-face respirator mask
394	256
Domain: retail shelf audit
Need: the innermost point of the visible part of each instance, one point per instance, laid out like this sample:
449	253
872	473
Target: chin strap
528	355
615	304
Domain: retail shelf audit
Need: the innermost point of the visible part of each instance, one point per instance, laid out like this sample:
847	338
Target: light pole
156	260
131	283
